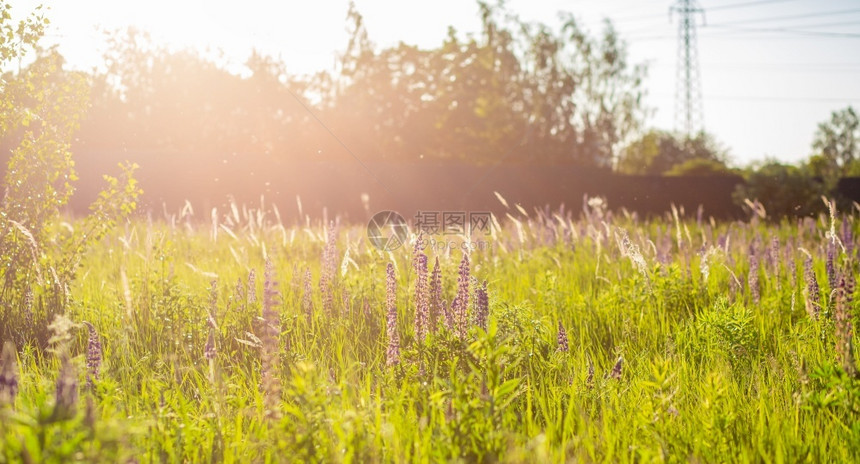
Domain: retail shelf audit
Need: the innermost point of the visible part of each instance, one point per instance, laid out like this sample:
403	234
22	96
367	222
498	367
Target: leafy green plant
40	109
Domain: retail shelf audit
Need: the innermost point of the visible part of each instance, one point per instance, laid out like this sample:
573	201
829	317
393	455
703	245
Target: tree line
516	92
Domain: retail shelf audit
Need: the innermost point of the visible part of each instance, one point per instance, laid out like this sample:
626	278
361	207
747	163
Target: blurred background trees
663	153
519	92
515	93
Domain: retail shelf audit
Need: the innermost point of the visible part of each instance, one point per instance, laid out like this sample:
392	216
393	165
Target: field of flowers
583	335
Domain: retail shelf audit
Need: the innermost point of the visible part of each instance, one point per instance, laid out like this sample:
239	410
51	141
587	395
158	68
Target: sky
771	70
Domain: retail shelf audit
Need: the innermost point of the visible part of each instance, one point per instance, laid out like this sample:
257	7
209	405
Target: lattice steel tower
688	83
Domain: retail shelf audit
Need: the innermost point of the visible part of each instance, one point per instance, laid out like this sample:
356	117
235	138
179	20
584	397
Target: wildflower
417	251
421	298
589	378
94	355
773	257
562	339
830	266
847	237
436	303
449	313
307	302
346	301
8	374
615	373
392	355
813	299
269	340
844	348
482	306
792	265
210	351
238	297
66	391
752	278
328	270
461	306
252	287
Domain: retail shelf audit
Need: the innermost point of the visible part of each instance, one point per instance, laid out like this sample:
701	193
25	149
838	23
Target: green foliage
699	167
728	331
837	143
706	374
784	190
517	92
663	153
42	106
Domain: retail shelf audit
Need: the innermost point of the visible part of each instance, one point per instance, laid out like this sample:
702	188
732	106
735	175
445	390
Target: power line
802	16
745	4
775	67
847	35
766	98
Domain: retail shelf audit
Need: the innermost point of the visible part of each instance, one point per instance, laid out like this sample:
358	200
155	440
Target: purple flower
844	330
461	303
830	265
94	355
8	374
66	391
329	266
813	299
392	354
615	373
562	339
437	306
252	287
422	303
271	332
752	278
307	301
482	306
589	377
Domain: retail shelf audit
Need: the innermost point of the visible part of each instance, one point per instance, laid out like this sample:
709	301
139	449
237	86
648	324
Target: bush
783	190
40	110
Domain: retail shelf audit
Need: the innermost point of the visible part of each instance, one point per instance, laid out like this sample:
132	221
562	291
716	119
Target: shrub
783	190
40	109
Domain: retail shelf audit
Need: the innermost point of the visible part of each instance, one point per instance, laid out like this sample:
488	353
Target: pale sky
771	69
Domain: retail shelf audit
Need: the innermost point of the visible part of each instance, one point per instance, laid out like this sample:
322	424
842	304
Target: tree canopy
659	152
516	92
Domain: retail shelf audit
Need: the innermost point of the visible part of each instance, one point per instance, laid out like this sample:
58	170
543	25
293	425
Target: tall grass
591	337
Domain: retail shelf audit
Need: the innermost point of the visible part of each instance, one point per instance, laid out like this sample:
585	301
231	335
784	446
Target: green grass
708	375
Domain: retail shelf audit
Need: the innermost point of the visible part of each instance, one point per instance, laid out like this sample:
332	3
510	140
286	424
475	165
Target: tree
837	143
784	190
519	92
41	106
660	153
699	167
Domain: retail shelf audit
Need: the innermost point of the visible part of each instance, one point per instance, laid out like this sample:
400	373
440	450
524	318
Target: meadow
577	335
